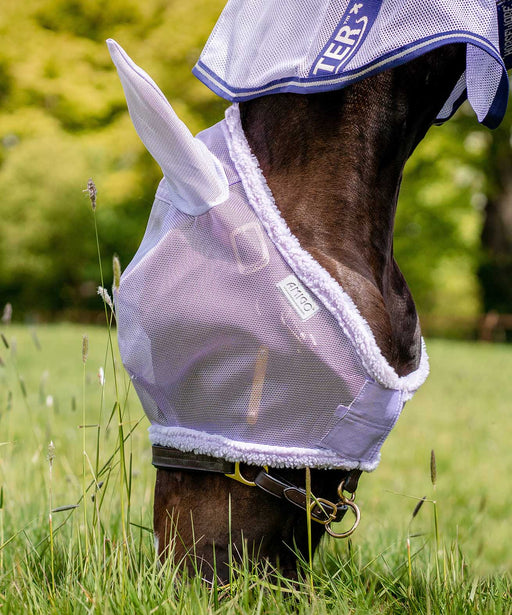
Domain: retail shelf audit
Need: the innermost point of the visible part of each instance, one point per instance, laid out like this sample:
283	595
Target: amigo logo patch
348	36
298	297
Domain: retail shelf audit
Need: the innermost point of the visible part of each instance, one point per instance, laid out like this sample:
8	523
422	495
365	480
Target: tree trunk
495	271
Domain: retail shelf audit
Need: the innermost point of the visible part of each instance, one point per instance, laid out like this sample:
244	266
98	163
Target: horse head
264	320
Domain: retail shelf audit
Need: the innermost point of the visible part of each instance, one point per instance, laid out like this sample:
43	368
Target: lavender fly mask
239	344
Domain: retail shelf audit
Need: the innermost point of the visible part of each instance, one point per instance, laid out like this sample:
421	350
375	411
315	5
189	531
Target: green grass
463	413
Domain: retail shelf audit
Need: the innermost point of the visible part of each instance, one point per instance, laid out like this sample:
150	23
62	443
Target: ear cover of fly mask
194	174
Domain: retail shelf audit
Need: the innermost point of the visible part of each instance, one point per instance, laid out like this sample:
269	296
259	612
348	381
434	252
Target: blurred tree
495	270
465	169
487	157
63	119
438	221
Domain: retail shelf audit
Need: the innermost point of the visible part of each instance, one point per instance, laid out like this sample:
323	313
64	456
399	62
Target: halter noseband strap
321	510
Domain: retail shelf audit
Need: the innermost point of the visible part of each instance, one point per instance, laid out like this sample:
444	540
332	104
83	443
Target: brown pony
334	163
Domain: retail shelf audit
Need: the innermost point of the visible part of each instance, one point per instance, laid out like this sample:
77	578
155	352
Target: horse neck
334	163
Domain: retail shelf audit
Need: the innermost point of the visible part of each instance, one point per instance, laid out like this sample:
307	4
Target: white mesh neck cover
239	344
263	47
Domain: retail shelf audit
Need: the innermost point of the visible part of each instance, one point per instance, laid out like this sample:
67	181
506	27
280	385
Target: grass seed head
433	467
91	189
51	453
116	267
103	293
85	348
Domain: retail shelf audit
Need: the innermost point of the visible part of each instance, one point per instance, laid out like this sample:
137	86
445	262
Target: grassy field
99	558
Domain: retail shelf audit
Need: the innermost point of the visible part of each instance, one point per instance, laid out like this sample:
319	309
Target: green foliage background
63	119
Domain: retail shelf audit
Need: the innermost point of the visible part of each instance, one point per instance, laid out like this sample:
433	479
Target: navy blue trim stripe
499	104
324	82
302	85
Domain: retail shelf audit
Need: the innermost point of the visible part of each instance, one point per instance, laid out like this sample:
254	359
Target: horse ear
193	172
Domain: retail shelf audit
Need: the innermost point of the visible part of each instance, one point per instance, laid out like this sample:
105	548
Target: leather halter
321	510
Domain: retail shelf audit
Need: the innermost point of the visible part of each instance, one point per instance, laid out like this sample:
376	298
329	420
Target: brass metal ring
342	496
329	517
357	514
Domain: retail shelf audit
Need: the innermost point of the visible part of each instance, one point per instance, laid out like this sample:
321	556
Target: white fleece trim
310	272
202	443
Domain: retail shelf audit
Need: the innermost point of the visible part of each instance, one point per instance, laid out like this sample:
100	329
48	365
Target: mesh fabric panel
260	47
204	301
